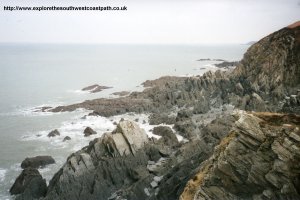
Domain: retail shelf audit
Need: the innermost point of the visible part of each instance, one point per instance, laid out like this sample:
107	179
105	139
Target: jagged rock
184	124
36	162
29	184
202	106
256	160
89	131
110	162
95	88
54	133
168	137
160	118
122	93
66	138
226	64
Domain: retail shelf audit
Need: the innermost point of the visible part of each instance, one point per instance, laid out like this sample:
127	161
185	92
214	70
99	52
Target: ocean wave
74	128
78	91
32	110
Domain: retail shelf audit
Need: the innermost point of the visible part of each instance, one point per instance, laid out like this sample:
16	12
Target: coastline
232	110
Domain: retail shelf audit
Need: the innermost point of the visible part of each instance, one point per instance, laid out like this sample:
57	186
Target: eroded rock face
29	185
125	164
107	164
258	159
278	52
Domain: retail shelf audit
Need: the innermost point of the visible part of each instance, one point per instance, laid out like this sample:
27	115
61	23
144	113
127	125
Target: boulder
29	184
54	133
36	162
161	118
168	137
133	134
89	131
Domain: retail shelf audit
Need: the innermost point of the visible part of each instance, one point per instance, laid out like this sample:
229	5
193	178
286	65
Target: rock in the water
29	184
89	131
95	88
54	133
36	162
66	138
122	93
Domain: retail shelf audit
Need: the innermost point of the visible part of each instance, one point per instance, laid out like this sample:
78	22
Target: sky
148	22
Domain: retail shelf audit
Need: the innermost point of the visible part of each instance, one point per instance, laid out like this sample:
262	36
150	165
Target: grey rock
54	133
36	162
89	131
29	184
66	138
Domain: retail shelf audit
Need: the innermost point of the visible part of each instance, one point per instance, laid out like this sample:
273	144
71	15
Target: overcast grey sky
155	21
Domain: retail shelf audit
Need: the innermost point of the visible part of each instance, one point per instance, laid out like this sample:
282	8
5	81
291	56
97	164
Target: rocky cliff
272	64
258	159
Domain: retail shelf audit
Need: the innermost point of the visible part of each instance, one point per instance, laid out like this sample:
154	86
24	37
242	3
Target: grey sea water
33	75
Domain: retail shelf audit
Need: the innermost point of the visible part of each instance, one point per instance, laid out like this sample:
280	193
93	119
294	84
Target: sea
36	75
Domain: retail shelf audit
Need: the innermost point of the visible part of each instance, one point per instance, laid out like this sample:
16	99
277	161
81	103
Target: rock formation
54	133
29	184
36	162
95	88
258	159
89	131
66	138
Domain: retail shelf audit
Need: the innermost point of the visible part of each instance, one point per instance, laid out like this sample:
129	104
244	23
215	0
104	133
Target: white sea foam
2	174
79	91
32	111
74	128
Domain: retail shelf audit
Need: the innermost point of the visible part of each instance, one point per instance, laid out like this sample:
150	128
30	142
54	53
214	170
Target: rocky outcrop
36	162
167	134
95	88
109	107
126	164
89	131
278	53
250	86
54	133
227	64
122	93
109	163
29	185
258	159
161	118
